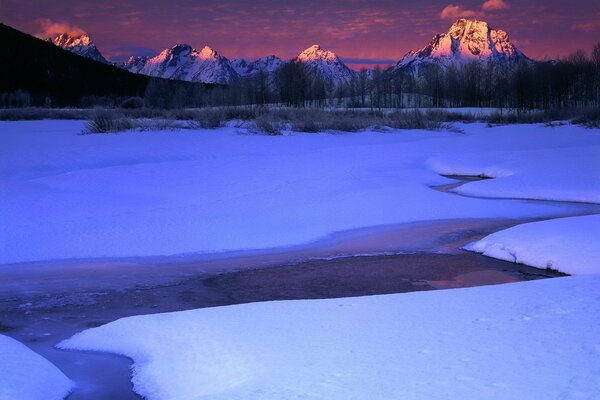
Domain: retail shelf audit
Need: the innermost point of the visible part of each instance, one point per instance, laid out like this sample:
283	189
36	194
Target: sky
362	32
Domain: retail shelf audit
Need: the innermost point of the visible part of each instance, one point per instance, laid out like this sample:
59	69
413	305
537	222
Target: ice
25	375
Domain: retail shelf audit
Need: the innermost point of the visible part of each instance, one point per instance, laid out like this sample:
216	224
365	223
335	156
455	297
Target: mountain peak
68	40
466	40
326	64
78	44
314	53
208	53
184	62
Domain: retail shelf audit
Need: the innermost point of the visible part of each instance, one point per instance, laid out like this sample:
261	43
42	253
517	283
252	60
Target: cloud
51	28
492	5
452	11
587	27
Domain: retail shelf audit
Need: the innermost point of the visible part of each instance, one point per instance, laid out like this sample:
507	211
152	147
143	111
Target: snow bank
529	162
67	195
569	245
25	375
531	340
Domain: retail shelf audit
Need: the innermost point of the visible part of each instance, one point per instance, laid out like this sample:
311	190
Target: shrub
306	122
209	118
104	121
243	113
269	124
589	118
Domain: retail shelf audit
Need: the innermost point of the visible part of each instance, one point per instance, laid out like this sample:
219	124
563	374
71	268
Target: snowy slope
466	40
159	193
529	341
78	44
185	63
240	66
135	64
326	64
266	65
557	168
25	375
569	245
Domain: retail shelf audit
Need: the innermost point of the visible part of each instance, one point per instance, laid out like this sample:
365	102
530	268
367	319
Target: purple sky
362	32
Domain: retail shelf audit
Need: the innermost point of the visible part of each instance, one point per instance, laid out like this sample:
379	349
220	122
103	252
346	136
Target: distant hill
45	70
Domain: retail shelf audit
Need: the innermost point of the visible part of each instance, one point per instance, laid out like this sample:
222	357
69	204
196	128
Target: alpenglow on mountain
78	44
185	63
326	64
466	40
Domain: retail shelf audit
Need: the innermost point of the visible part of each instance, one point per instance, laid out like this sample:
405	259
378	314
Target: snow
327	64
465	41
78	44
25	375
569	245
531	340
185	63
67	195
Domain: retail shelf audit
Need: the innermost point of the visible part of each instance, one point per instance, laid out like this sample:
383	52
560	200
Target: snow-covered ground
66	195
570	245
531	340
26	375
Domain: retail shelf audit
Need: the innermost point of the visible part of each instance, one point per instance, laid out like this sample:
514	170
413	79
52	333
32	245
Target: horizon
363	34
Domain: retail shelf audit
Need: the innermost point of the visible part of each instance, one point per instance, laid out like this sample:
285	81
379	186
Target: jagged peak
239	62
69	40
314	53
466	39
208	52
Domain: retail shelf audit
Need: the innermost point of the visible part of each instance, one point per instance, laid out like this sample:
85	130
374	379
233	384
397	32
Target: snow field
530	340
67	195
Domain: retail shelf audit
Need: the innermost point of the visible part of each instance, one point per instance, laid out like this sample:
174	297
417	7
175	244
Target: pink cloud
587	26
491	5
452	11
52	28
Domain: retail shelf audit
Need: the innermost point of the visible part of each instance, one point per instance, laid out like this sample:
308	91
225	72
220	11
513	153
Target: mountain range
465	41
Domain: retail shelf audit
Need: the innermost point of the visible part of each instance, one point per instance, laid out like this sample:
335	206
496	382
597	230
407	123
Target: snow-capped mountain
240	66
327	64
466	40
134	64
267	65
82	45
186	63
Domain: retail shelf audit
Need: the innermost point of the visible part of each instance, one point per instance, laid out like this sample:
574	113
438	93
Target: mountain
466	40
185	63
81	45
240	66
62	78
45	70
326	64
134	64
267	65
